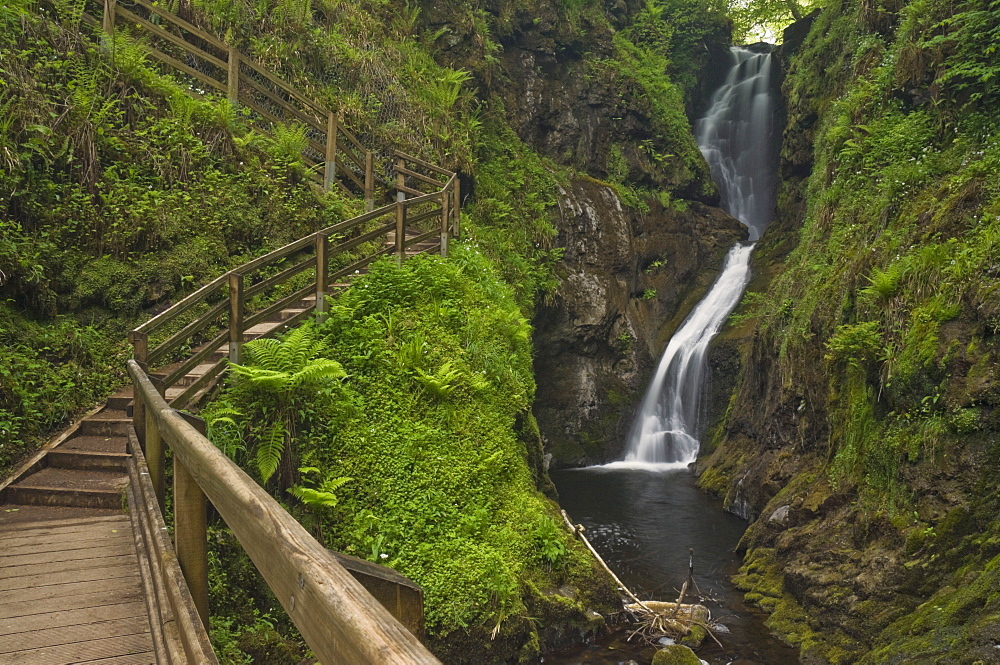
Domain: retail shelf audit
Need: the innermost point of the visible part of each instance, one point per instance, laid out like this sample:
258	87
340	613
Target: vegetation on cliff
875	349
435	450
121	193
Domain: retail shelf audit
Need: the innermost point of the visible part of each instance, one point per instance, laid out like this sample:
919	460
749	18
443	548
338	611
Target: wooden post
233	78
235	316
400	231
140	350
369	181
445	222
330	176
400	179
457	208
191	529
156	457
110	6
322	271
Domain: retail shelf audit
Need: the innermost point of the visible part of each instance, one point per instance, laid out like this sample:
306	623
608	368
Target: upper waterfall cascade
737	138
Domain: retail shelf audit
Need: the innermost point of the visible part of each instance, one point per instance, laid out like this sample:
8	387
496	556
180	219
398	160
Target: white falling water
736	136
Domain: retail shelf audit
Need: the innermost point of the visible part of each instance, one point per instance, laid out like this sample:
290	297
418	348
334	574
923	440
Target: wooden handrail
239	86
422	164
181	23
339	620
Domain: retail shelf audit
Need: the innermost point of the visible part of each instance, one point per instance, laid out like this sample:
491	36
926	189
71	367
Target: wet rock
628	279
676	655
780	516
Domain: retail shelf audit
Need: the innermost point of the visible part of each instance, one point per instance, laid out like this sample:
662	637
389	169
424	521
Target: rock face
629	272
628	278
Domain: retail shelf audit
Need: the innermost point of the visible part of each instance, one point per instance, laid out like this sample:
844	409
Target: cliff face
591	92
861	430
627	278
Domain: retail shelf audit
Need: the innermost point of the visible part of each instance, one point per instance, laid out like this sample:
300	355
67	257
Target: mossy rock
676	654
695	637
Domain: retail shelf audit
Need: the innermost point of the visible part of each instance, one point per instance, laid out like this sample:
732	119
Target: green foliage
317	493
855	344
118	193
512	213
550	540
891	278
441	489
275	395
639	71
763	20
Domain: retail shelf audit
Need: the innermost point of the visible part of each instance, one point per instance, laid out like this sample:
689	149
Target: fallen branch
656	623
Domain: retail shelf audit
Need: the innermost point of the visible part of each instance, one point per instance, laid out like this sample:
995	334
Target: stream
644	512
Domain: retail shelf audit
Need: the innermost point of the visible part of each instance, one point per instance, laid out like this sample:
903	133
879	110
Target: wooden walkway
70	590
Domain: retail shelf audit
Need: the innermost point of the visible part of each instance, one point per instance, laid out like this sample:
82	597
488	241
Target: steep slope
861	435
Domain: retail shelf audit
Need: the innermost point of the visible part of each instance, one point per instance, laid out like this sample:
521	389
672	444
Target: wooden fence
339	619
333	155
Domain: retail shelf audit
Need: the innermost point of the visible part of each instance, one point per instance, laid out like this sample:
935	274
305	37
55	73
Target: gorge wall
594	93
857	389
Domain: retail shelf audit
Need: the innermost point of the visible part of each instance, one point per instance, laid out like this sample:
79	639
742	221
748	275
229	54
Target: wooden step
95	444
86	460
195	374
99	489
105	426
32	495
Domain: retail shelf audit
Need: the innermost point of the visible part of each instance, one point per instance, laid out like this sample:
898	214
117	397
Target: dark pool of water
644	523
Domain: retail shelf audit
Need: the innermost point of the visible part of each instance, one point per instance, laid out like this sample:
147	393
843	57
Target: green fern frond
269	449
318	371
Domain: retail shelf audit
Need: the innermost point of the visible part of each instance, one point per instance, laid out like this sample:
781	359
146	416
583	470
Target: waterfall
737	138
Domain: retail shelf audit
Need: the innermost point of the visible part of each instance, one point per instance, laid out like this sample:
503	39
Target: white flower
383	556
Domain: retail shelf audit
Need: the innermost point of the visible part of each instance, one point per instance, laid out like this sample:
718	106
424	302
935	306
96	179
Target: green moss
676	654
443	487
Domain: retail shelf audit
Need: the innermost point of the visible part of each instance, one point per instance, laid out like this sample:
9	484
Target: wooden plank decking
70	590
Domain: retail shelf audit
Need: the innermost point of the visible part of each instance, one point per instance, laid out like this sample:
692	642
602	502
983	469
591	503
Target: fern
269	450
442	383
279	377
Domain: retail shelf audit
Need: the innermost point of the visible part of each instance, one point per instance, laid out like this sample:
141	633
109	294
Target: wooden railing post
369	181
191	529
140	351
108	22
400	179
156	457
233	76
457	208
445	221
322	271
400	231
331	152
235	316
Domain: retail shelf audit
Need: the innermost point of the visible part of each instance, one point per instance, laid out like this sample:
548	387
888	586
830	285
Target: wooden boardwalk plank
82	652
14	547
42	570
66	526
65	577
51	637
95	532
109	549
93	599
126	580
145	658
82	616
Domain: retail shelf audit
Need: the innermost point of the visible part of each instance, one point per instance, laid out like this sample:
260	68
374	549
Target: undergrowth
426	425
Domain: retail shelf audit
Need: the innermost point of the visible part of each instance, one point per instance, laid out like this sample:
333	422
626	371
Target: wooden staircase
88	570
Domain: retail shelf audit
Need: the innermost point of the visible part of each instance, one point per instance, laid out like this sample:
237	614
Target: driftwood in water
657	618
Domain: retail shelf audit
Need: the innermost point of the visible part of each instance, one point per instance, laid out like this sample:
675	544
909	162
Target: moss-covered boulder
676	654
